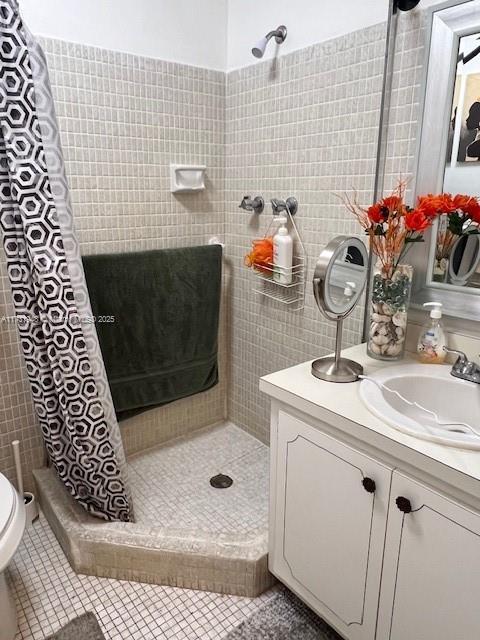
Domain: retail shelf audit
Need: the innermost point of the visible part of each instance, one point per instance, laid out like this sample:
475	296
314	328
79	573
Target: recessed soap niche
187	178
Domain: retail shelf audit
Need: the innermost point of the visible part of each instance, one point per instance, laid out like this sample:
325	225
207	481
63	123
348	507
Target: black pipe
404	5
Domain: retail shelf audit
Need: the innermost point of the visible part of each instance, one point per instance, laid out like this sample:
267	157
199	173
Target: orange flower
461	201
400	226
446	203
433	206
416	220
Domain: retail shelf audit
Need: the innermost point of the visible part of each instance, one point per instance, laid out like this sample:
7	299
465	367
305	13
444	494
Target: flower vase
389	308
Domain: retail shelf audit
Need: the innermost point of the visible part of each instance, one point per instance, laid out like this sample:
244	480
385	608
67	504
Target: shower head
259	49
280	33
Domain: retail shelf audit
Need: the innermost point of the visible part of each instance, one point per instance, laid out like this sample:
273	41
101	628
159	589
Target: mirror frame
446	24
452	275
323	269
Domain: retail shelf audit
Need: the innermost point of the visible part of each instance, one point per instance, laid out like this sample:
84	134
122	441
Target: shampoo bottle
282	253
431	341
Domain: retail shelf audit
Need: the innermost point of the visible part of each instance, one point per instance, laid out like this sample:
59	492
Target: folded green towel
162	343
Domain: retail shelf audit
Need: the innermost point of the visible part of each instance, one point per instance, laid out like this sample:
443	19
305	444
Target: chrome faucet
464	368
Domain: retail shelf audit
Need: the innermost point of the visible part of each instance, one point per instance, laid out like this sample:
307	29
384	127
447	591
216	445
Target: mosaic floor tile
48	593
171	484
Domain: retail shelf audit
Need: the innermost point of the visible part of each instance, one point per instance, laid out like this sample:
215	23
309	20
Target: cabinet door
327	528
431	578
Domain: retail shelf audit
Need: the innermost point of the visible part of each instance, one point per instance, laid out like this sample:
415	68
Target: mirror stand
335	368
338	282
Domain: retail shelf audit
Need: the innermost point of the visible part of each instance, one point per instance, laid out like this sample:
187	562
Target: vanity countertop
340	406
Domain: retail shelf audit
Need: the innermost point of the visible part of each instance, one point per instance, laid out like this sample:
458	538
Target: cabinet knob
404	504
369	485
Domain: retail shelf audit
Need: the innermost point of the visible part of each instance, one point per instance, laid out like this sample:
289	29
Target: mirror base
330	371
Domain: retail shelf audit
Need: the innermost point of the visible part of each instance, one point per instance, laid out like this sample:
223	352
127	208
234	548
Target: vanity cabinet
431	573
374	552
330	506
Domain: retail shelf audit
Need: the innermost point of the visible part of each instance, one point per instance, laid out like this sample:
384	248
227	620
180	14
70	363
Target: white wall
216	34
187	31
464	178
307	21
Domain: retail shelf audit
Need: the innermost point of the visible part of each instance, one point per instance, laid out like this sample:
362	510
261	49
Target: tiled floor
219	536
171	488
48	593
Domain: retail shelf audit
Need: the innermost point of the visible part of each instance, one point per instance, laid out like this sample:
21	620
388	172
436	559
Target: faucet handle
246	203
461	356
257	204
277	205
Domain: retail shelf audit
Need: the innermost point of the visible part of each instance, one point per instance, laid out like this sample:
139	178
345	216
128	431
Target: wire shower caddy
293	294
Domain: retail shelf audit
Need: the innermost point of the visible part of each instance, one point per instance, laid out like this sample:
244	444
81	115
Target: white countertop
297	387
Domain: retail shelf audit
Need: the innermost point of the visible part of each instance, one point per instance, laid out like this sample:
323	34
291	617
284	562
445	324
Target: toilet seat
12	521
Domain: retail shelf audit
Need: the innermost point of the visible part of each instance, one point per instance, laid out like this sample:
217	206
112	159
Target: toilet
12	526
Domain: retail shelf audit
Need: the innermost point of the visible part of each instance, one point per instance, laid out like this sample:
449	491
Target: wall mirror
447	266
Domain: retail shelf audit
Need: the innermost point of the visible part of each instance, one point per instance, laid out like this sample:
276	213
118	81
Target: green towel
162	344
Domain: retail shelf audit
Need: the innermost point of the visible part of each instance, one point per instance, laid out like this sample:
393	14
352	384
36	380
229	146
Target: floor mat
284	617
84	627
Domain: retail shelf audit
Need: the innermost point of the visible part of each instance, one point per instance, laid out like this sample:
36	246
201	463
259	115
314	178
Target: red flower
417	220
375	214
392	203
469	205
474	212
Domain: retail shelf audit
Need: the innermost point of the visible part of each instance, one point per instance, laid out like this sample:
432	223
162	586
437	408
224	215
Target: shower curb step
139	553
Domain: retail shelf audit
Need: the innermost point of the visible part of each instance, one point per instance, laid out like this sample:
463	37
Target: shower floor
171	485
187	533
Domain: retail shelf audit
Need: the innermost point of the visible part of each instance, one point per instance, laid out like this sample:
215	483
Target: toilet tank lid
7	502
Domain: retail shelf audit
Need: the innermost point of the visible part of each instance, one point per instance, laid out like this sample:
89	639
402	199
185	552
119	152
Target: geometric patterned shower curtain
59	342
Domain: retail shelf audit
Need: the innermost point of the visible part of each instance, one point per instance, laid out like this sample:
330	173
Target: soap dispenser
432	340
282	253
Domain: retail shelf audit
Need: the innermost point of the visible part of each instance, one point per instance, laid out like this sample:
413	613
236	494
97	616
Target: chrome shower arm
280	34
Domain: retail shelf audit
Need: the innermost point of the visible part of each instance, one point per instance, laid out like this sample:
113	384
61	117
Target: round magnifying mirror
338	282
464	259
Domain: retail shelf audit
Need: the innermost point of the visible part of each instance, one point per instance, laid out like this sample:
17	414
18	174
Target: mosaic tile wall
123	120
305	126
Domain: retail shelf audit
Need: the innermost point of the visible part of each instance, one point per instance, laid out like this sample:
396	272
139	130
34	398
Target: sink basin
455	402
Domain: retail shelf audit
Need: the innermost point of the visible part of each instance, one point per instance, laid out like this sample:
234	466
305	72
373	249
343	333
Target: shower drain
221	481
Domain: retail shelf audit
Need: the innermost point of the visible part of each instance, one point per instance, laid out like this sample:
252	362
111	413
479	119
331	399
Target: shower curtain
58	337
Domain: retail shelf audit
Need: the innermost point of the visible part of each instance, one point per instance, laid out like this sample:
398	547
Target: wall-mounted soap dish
187	178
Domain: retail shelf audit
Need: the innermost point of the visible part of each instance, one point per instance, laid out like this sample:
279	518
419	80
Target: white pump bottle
282	253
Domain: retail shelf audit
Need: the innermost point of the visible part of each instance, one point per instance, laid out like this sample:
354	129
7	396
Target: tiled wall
306	126
123	120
